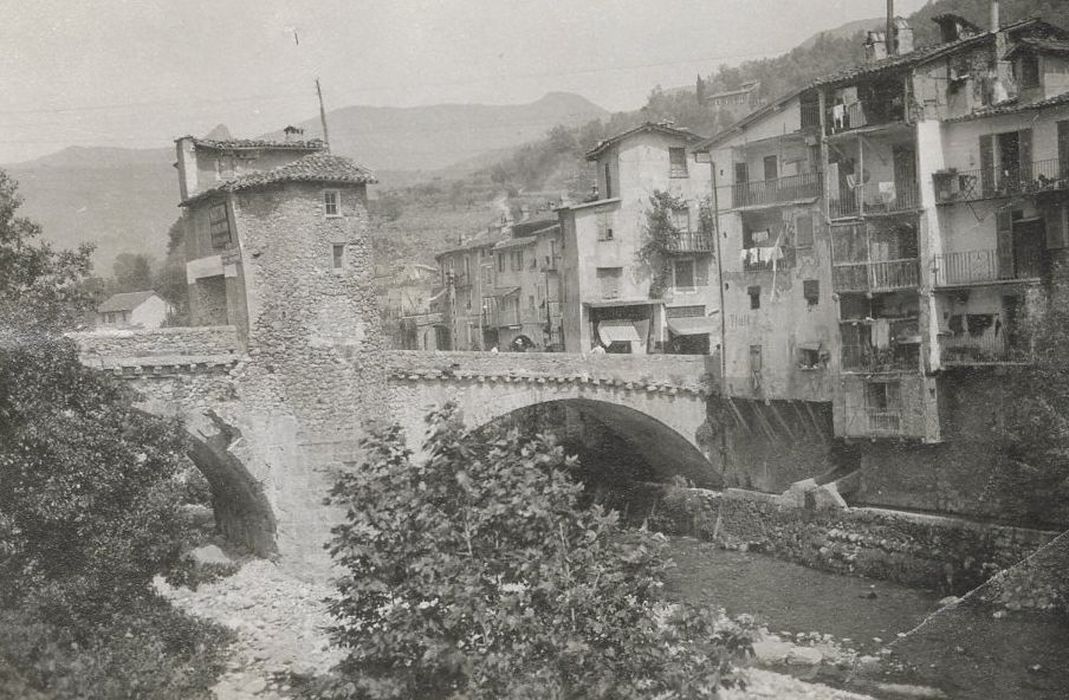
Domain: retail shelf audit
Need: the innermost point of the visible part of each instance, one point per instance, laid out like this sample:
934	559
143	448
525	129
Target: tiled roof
642	128
316	167
485	239
1042	45
516	242
1012	108
239	144
126	301
920	55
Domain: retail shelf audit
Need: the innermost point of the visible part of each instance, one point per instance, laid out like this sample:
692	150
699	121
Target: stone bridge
268	432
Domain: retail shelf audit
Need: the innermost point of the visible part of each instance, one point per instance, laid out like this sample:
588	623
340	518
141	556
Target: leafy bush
476	573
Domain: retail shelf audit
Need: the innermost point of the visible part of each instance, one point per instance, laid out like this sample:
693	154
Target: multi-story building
467	278
606	284
525	309
253	207
736	103
884	224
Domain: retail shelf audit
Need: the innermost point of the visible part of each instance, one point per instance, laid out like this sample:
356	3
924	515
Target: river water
966	652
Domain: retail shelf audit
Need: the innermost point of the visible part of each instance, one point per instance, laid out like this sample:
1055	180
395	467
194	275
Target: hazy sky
137	73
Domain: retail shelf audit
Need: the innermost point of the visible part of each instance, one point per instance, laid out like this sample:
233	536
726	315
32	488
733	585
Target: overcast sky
137	73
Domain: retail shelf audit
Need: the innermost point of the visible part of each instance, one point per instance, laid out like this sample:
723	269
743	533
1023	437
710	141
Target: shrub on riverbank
476	572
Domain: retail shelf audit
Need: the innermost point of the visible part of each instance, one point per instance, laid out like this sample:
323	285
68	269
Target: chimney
292	133
996	20
889	30
903	37
186	150
875	47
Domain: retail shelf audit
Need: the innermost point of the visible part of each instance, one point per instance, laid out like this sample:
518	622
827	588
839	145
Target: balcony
953	186
779	191
768	258
900	353
691	242
992	348
974	267
882	276
865	113
883	423
875	198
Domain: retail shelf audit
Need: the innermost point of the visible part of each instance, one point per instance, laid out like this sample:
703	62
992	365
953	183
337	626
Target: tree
133	272
40	288
660	232
1033	480
170	279
477	572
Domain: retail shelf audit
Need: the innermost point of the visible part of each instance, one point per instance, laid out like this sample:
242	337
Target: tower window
331	203
339	256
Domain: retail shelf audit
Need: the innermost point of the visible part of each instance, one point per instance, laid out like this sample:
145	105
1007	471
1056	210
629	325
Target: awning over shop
620	303
618	332
814	347
516	242
694	325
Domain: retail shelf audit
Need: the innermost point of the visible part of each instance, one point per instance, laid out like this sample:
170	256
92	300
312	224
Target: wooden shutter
1055	226
987	164
701	272
803	231
1004	234
1024	144
1063	148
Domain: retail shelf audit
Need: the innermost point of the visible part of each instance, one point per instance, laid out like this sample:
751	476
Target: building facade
608	287
910	203
134	310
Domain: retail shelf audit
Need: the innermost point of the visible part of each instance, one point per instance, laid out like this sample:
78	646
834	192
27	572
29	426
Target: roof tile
316	167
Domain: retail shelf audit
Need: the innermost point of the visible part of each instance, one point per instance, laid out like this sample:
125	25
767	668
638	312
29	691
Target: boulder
771	651
804	656
210	554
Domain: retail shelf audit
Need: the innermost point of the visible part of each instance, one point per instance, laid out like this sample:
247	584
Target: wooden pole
323	116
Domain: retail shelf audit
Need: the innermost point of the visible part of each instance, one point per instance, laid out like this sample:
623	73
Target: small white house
134	310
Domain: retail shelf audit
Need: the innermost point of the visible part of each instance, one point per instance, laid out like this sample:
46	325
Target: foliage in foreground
89	512
1033	483
477	573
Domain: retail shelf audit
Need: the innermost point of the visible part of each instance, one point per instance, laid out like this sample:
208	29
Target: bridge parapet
696	374
164	350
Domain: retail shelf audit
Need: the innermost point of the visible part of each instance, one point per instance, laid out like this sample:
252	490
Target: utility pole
323	116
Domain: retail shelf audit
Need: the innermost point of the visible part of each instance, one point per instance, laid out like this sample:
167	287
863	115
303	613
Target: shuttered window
677	162
219	226
803	231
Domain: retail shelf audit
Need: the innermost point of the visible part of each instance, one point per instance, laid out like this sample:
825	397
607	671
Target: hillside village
626	411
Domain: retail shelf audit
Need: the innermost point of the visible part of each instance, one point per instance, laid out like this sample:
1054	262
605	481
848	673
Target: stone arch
662	446
243	513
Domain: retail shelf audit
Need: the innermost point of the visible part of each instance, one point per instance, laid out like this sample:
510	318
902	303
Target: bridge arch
662	417
243	513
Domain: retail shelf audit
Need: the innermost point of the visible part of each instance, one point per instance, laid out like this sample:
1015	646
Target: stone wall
945	553
127	344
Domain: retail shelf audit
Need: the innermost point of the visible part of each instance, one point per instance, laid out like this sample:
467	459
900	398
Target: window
339	256
517	261
771	167
331	203
683	274
609	281
530	302
605	224
677	162
681	219
500	262
755	297
467	300
809	357
608	182
1030	71
811	292
803	231
219	225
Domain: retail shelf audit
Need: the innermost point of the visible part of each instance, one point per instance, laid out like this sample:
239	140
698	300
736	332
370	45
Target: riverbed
966	651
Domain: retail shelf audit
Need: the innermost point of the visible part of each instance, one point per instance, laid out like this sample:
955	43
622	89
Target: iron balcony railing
980	266
777	191
993	347
881	276
1049	175
691	242
883	423
875	198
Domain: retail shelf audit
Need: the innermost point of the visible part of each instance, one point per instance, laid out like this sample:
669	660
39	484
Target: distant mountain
126	199
431	138
846	31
